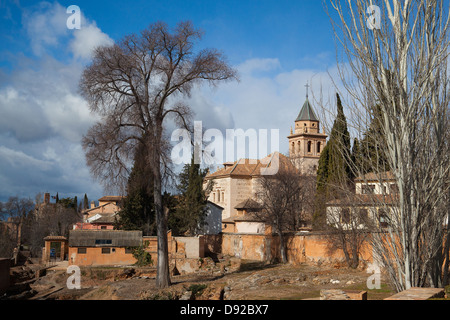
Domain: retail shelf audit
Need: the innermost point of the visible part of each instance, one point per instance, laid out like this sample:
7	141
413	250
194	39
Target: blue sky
275	45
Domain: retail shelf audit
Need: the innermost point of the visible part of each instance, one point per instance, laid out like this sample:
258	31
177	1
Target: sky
276	46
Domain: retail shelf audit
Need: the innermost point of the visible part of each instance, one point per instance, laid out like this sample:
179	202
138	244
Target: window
383	218
103	227
106	250
368	189
103	241
309	146
345	215
393	188
318	147
223	196
81	250
218	196
363	216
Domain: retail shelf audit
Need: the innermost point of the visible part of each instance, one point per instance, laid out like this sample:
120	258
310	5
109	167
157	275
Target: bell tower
305	141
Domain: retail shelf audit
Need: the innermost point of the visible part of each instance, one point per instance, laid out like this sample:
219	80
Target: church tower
306	142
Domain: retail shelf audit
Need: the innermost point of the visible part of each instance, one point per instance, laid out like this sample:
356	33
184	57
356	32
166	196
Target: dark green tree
138	207
373	157
191	209
85	202
334	174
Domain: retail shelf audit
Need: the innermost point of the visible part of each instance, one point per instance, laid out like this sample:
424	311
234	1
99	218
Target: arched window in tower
218	196
318	147
298	146
309	146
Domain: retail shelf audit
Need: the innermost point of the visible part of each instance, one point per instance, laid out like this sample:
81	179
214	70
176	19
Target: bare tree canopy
282	201
396	61
135	86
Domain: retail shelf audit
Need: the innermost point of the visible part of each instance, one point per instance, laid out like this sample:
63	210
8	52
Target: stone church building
236	182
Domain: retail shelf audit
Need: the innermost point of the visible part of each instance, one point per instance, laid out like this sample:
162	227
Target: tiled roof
49	238
372	176
248	204
111	198
307	113
250	167
365	199
105	218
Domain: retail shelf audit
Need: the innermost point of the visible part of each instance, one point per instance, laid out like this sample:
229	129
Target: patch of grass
197	289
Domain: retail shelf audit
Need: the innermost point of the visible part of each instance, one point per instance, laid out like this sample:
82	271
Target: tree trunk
282	248
162	271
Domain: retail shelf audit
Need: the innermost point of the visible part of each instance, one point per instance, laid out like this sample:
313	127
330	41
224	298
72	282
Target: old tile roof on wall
90	238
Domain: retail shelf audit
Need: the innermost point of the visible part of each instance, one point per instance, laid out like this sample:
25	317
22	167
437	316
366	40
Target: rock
335	281
333	295
186	296
212	292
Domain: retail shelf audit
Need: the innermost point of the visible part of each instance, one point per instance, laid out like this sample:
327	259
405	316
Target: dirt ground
249	280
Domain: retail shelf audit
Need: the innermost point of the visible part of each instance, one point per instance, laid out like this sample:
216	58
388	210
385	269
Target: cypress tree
191	209
372	145
334	172
85	202
137	211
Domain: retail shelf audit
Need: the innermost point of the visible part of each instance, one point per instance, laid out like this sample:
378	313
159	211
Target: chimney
92	204
47	198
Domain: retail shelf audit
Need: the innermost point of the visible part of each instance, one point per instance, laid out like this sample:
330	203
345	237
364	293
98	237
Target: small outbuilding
103	247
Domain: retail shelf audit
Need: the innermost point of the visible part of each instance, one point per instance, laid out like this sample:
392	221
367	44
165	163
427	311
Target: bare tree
283	199
397	56
135	86
17	209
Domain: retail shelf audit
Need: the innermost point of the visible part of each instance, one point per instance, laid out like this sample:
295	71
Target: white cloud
86	39
269	98
45	25
43	118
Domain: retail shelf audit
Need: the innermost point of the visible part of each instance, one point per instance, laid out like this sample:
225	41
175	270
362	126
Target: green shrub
143	257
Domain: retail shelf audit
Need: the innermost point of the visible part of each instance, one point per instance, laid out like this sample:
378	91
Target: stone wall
4	275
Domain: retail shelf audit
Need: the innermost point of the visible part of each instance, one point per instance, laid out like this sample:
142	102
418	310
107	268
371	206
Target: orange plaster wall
300	248
94	257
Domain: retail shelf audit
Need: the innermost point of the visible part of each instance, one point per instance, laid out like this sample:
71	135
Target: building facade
237	182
